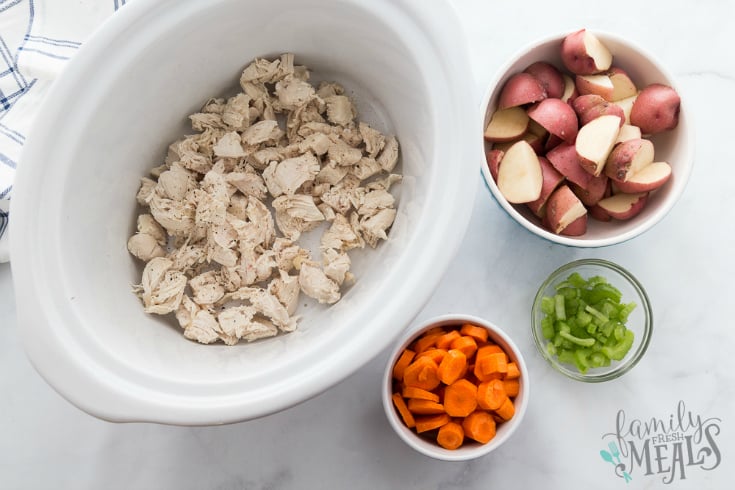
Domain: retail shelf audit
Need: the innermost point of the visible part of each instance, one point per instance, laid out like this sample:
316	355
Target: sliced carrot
466	344
435	354
512	387
460	398
513	371
424	407
506	410
478	425
450	435
480	371
455	381
492	363
453	366
426	342
403	411
426	423
435	331
491	394
488	349
418	393
422	373
444	341
474	331
403	361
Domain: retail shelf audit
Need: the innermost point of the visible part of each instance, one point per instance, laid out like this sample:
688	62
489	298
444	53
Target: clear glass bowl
640	320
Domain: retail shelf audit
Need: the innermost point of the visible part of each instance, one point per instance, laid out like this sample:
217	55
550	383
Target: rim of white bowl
85	375
682	175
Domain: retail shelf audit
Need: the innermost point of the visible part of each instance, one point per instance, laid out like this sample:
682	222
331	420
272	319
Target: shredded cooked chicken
224	213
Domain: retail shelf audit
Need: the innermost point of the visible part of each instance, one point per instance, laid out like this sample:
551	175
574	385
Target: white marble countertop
677	407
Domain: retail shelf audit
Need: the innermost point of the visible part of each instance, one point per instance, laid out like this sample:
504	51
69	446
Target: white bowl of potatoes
129	249
587	139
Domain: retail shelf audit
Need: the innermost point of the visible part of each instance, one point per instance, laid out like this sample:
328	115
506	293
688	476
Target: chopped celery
584	322
625	311
576	279
588	342
604	291
618	351
547	328
596	313
583	318
559	307
547	305
566	356
581	359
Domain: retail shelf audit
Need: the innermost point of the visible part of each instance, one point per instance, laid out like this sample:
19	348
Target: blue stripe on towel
12	3
7	161
4	217
12	64
17	97
13	135
45	53
54	42
6	101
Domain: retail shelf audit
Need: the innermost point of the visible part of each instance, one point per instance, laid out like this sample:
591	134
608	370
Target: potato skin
578	227
549	76
563	208
592	106
656	109
621	163
521	89
551	180
575	57
557	117
493	158
623	206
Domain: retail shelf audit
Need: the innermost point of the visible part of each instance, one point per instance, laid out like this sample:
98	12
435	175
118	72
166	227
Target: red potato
536	142
551	180
595	84
598	213
584	54
507	124
563	208
521	89
552	142
557	117
595	141
623	86
656	109
623	206
627	158
627	105
570	89
596	189
628	132
578	227
537	129
584	103
493	158
647	179
564	159
592	106
519	175
549	76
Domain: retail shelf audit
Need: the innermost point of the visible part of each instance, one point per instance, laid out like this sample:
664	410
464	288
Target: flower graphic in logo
613	457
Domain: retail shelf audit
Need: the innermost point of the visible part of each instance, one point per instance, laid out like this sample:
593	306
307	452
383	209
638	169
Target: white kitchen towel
37	38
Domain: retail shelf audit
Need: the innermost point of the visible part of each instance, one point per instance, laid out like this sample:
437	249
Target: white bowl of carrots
455	387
